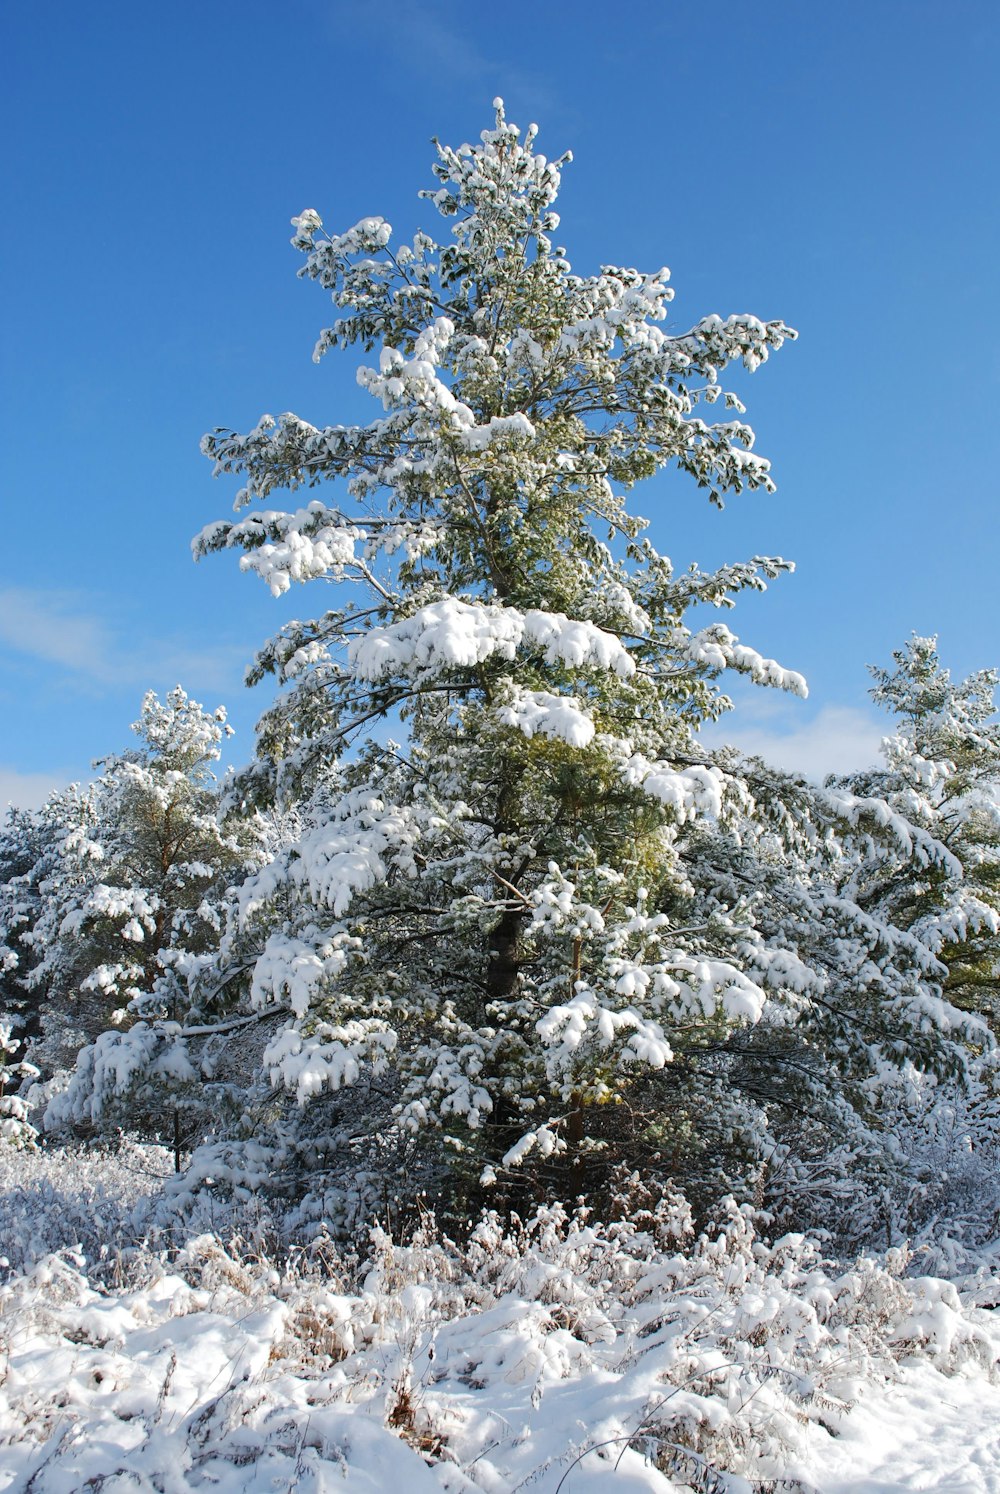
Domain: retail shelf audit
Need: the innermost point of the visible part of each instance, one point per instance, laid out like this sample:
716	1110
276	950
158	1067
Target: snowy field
550	1356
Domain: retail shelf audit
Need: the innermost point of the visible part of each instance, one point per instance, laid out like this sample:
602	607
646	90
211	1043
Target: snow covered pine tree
942	772
126	907
494	939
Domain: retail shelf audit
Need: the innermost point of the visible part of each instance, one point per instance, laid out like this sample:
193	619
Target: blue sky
835	166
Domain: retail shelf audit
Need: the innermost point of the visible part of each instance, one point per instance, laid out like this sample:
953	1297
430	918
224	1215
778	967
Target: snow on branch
116	1064
689	792
564	1028
718	648
540	712
285	547
294	970
348	853
453	633
863	812
328	1059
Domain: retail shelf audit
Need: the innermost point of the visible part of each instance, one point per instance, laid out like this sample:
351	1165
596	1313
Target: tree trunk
502	970
504	940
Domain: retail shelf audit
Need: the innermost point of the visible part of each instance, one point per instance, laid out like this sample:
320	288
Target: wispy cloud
839	739
437	39
53	627
423	30
27	790
67	631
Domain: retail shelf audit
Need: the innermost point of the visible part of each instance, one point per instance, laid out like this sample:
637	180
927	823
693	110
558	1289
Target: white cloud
52	626
27	790
839	739
65	629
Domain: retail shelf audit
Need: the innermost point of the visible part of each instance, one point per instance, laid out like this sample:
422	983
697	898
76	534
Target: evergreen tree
529	928
22	839
25	839
116	925
49	859
942	771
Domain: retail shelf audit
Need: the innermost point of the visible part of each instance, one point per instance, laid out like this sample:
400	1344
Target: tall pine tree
523	930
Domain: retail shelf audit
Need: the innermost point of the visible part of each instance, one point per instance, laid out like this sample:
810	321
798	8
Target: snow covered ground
549	1357
150	1391
929	1431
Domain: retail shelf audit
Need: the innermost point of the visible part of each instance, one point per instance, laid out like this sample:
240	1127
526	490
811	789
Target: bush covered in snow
94	1201
536	1348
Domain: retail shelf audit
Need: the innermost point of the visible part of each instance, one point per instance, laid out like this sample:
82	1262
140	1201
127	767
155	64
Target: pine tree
50	861
22	841
117	922
528	929
936	888
25	840
942	771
